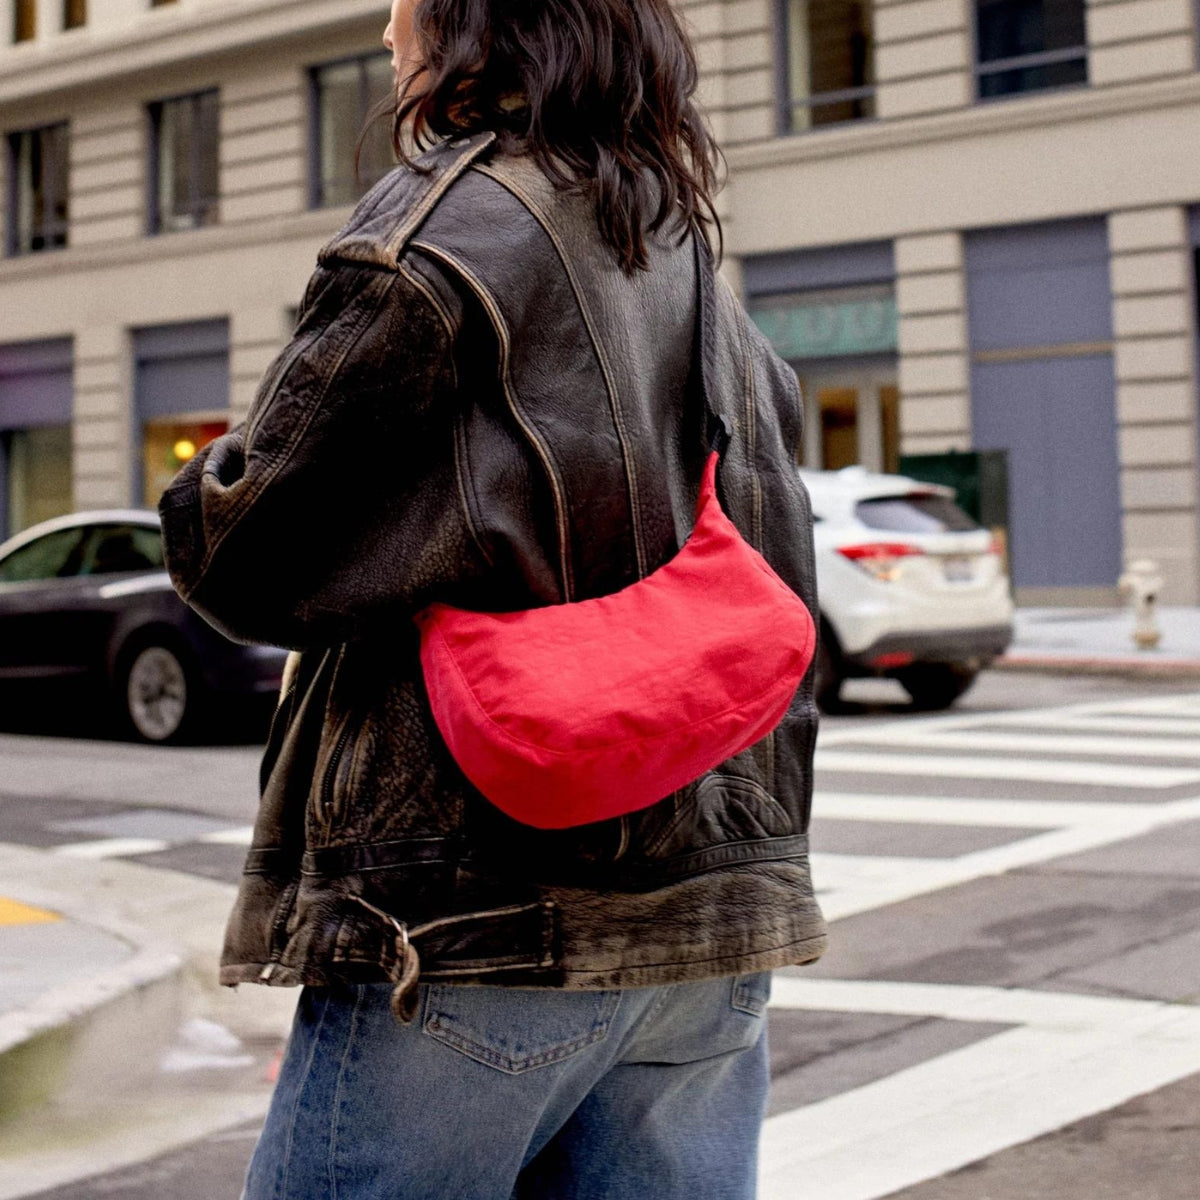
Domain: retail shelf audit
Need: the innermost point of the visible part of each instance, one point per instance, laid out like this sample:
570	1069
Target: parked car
911	587
86	598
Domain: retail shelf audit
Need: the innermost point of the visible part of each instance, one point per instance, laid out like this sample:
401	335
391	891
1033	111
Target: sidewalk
53	971
1100	641
97	957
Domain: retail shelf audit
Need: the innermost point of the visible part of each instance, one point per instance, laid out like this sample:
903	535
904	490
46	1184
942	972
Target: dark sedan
85	597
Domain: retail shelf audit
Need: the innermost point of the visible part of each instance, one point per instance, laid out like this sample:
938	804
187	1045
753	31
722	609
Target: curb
1130	668
58	1047
82	1059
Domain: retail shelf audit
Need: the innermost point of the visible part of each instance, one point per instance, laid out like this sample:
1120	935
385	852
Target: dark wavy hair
599	92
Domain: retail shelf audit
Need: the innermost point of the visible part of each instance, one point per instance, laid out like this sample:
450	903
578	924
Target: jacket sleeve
333	510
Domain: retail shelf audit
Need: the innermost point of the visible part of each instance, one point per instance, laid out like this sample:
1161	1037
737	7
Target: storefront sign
829	329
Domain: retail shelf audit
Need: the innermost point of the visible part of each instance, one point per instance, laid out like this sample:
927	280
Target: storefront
181	399
832	315
35	433
1043	388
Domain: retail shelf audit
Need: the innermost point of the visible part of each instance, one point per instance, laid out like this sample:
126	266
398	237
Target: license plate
959	569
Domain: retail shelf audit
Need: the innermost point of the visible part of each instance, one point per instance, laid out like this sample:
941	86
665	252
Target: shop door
852	416
181	399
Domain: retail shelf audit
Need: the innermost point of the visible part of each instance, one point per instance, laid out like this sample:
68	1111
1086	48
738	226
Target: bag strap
717	429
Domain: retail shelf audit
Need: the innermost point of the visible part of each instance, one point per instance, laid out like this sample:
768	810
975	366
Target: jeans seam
281	1182
360	991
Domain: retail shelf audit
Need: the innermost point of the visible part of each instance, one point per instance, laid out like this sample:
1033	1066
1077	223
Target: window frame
13	191
1017	62
316	183
786	106
155	109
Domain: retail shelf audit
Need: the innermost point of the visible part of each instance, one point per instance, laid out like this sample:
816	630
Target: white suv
910	587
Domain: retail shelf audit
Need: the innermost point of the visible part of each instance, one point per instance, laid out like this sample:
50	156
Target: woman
491	400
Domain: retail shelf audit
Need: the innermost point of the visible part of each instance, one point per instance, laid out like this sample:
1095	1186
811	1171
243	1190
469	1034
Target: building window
24	20
1030	45
167	446
181	398
343	96
831	314
827	65
184	149
35	432
74	14
37	193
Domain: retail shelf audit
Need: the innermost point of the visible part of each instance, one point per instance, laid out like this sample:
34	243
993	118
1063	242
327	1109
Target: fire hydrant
1143	583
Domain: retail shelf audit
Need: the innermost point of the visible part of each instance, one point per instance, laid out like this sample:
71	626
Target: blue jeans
520	1094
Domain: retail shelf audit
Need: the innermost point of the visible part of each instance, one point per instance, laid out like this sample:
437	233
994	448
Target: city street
1009	1005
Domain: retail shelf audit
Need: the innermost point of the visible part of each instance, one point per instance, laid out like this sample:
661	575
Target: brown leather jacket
479	407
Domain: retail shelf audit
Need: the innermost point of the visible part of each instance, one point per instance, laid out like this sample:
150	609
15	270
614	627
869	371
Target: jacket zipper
329	778
282	913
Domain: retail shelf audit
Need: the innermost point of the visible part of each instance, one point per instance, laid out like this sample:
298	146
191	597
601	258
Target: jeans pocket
517	1029
751	993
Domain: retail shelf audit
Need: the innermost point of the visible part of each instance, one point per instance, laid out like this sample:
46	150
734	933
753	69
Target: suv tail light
880	559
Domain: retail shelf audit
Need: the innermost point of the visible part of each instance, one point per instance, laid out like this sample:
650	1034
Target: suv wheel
158	693
935	686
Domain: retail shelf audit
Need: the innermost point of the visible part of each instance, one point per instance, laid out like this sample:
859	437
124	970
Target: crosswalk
915	810
1061	781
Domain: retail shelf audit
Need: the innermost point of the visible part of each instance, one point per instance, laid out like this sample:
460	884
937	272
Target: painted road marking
13	912
1154	726
850	884
242	836
974	766
1029	742
112	847
1167	708
1069	1057
953	810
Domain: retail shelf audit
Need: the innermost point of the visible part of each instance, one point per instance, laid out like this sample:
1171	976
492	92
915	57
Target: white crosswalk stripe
1094	774
1068	1058
1065	1057
1039	744
112	847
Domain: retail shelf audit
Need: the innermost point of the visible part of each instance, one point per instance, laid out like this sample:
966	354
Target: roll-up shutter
1043	388
182	369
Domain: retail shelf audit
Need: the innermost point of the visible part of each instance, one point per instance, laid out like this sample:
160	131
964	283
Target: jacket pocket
333	786
517	1029
717	810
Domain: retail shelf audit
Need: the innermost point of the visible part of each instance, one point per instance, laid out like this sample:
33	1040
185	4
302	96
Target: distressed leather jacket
479	407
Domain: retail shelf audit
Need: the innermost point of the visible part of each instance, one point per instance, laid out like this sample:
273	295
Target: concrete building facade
968	224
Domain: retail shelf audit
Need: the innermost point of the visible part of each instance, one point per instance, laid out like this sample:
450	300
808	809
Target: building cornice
165	36
980	120
317	227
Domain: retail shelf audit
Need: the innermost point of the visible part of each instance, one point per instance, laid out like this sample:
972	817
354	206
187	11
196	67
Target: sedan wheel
158	698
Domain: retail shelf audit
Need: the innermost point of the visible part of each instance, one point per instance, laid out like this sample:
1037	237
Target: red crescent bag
584	711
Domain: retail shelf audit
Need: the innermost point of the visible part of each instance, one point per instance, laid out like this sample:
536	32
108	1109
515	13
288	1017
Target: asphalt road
1009	1006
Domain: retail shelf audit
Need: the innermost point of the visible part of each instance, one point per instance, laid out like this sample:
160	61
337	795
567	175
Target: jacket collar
390	214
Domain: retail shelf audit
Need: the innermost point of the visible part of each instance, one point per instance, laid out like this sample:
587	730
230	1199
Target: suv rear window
917	512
